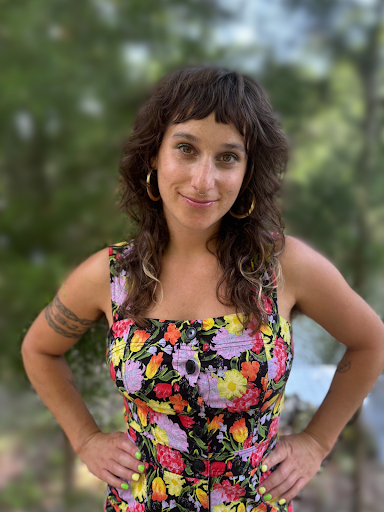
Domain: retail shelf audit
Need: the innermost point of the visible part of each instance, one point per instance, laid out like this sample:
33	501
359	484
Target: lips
198	203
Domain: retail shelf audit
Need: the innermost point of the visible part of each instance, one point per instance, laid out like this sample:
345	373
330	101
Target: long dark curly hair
247	248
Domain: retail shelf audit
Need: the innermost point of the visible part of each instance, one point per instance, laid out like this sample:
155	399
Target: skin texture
312	285
198	162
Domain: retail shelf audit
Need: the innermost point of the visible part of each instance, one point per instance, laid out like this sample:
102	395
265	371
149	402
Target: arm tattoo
343	366
64	321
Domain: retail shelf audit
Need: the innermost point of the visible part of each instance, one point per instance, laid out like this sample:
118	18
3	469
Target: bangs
213	90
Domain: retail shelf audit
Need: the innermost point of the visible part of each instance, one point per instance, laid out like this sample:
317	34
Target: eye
184	146
230	155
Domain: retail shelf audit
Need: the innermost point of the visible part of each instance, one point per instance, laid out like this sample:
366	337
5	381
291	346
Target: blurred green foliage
73	75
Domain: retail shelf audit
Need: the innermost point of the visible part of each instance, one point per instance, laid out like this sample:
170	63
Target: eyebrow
193	138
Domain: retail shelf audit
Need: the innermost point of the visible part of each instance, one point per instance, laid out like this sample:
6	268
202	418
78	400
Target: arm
322	294
58	327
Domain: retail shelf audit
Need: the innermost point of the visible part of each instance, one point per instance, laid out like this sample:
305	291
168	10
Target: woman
197	345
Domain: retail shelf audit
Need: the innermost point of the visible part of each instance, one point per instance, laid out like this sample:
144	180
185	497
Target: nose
203	178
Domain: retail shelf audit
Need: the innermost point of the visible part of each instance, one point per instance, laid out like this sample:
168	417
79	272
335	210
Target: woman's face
199	157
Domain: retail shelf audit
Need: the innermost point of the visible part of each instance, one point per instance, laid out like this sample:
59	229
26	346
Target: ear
153	162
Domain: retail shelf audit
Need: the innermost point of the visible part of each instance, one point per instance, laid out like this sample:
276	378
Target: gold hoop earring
237	216
149	187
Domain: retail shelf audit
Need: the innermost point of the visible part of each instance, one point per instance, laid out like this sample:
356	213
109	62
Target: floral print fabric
202	403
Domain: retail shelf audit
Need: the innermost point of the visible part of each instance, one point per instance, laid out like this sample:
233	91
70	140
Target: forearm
355	376
54	382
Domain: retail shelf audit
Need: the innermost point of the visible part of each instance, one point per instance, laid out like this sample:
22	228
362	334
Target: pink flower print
210	394
267	301
171	459
132	376
118	290
276	365
258	453
120	329
177	438
230	345
274	427
230	492
246	401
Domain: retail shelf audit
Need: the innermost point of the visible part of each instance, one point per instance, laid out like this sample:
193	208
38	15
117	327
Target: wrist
323	445
79	445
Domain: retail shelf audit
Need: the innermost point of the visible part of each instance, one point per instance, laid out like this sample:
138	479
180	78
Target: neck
188	244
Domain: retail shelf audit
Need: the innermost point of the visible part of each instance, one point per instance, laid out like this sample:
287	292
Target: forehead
201	128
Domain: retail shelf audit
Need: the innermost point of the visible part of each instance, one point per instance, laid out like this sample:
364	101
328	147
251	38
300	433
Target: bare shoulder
321	293
79	303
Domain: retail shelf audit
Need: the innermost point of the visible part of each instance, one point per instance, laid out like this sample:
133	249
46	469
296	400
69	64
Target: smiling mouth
201	203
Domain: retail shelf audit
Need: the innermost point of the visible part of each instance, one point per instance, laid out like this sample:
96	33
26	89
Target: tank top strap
117	280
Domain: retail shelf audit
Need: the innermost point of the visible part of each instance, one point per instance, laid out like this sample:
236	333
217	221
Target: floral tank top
202	403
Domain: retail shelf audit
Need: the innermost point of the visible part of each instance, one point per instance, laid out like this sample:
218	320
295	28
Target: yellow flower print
202	496
135	426
233	323
241	508
239	431
138	340
164	407
118	351
265	329
160	435
158	488
174	483
233	384
139	489
223	508
154	365
285	332
208	324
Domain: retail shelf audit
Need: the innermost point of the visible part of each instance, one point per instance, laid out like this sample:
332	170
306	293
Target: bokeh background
72	77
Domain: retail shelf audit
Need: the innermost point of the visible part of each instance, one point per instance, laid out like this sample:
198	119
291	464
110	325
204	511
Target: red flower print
163	390
132	433
267	301
279	359
136	507
121	327
216	468
229	464
263	476
250	370
153	416
258	342
205	347
245	402
274	427
186	421
171	459
178	403
193	480
172	334
112	371
230	492
248	442
257	455
176	387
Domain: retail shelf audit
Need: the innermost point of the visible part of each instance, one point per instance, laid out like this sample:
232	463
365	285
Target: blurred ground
32	460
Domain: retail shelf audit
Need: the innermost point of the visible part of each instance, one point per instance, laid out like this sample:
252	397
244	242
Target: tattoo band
63	321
